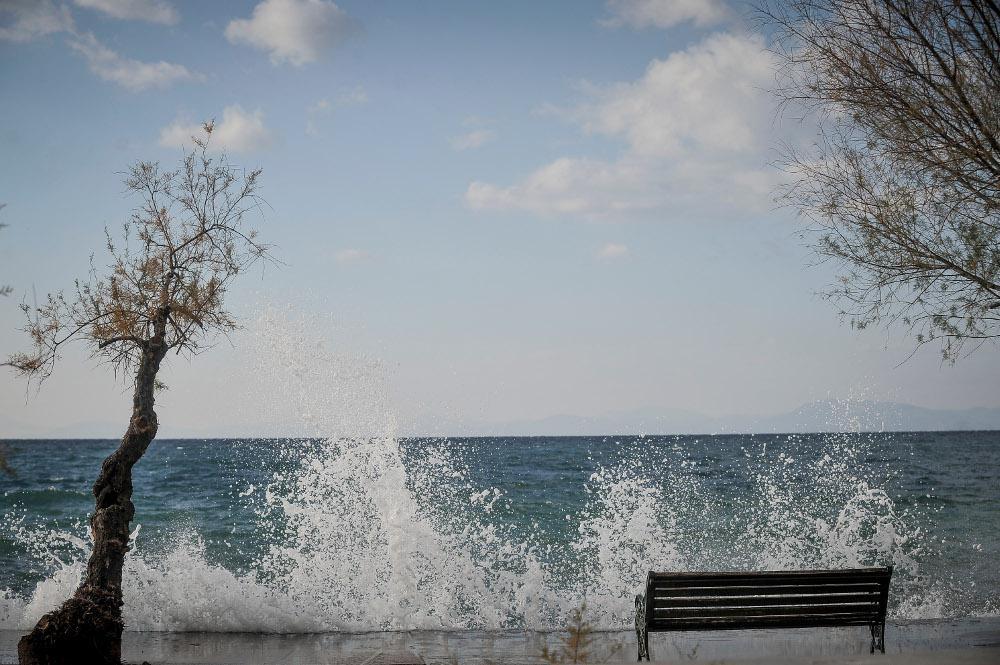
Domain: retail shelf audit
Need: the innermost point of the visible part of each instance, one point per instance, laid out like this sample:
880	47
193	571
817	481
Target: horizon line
509	436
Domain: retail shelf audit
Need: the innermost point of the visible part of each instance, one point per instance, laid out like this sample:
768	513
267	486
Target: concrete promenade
962	642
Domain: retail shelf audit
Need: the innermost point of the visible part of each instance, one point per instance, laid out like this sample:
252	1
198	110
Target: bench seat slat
758	590
743	611
666	603
750	580
766	574
744	623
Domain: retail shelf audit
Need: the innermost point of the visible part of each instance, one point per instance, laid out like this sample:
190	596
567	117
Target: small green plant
576	644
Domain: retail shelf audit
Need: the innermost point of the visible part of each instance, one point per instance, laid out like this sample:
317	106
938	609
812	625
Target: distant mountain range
91	429
820	416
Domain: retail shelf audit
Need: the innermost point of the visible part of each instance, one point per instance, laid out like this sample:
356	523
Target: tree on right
902	186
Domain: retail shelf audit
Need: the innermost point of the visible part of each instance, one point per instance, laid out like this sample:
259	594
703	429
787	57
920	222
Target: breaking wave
367	532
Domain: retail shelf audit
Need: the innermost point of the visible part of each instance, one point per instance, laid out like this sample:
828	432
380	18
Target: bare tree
903	188
163	292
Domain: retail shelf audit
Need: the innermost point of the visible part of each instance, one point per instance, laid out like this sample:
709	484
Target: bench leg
641	634
878	637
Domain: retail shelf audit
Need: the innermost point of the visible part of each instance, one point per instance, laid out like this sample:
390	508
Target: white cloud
238	131
695	130
132	74
611	251
665	13
25	20
354	97
29	19
708	97
474	139
315	112
322	106
152	11
351	255
294	31
570	186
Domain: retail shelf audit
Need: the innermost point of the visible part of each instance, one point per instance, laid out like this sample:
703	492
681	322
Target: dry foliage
576	644
903	187
168	275
163	291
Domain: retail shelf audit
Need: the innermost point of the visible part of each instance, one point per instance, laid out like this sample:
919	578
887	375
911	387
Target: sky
511	210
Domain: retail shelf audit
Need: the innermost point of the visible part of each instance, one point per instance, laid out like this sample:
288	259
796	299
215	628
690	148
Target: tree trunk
87	628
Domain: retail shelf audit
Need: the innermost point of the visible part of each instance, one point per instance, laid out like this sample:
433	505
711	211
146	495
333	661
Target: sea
340	535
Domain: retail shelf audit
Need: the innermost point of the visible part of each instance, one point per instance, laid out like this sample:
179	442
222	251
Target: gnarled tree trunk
87	628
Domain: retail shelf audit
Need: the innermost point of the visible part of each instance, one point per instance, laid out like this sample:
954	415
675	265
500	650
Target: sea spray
360	541
627	529
358	529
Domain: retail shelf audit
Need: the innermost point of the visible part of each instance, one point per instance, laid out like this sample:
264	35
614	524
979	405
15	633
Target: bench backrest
772	599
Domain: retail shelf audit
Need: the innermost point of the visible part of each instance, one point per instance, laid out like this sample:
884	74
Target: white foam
364	538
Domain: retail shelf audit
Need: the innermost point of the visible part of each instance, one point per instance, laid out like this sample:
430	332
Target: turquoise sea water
378	533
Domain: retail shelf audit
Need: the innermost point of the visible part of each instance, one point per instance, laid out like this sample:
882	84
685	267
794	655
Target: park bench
771	599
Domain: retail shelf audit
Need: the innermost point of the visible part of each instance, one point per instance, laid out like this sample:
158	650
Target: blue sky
520	208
